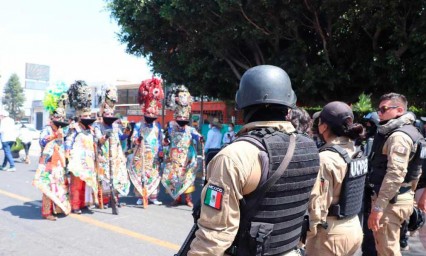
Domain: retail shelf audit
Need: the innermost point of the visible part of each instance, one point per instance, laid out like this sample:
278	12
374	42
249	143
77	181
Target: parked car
35	134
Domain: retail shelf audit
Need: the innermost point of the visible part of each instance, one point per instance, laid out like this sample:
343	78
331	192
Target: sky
76	38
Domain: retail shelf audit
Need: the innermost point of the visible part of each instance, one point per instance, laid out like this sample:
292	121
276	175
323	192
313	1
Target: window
132	96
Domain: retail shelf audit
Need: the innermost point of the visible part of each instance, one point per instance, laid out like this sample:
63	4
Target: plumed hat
55	100
80	97
179	100
107	98
150	96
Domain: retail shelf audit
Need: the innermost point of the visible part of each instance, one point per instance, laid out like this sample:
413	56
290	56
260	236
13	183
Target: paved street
156	231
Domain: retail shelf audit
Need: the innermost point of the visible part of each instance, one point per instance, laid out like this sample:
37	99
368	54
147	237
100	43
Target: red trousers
46	206
77	190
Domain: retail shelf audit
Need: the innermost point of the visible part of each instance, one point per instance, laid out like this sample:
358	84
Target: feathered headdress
80	97
55	100
150	96
107	98
179	100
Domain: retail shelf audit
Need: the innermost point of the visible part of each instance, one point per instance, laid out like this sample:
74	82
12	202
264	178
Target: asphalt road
155	231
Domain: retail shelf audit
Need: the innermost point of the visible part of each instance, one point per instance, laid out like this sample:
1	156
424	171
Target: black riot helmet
265	84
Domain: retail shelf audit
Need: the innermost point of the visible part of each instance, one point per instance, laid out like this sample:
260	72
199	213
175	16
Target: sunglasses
384	109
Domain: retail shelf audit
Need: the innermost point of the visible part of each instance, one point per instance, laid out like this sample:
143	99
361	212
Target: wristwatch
377	208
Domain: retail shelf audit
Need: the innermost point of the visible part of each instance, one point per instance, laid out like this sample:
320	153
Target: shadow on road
29	210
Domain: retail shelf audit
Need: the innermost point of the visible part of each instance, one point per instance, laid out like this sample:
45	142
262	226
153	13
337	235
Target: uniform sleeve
218	227
397	148
322	193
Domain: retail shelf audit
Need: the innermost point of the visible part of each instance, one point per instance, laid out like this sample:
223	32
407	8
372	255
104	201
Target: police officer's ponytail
352	131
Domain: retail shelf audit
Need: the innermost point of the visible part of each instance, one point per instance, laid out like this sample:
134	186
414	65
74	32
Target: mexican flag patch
214	196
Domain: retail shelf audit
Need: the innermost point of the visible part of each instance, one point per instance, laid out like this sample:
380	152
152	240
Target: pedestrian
8	137
80	149
181	159
214	136
395	168
147	139
109	151
237	216
336	200
229	136
26	138
50	177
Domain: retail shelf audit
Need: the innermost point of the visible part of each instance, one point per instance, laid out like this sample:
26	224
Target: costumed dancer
181	159
148	138
107	132
80	149
50	176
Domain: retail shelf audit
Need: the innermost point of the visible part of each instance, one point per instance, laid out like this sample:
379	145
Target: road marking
103	225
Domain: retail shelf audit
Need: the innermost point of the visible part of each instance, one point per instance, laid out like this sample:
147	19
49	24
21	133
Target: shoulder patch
401	150
398	159
213	197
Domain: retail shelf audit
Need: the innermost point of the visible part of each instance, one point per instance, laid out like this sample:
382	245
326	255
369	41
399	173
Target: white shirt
8	130
214	139
228	137
25	135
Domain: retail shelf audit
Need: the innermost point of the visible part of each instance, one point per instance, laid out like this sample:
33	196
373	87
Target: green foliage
13	97
364	104
332	50
419	112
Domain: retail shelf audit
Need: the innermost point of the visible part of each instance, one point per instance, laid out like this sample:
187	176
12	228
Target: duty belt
402	190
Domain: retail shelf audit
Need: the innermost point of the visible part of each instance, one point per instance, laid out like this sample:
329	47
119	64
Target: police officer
237	172
368	246
395	168
336	199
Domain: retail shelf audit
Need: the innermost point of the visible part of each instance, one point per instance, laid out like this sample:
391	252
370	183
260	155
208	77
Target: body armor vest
273	226
351	194
378	160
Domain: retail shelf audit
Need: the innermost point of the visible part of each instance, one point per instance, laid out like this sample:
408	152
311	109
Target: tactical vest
274	226
351	194
378	161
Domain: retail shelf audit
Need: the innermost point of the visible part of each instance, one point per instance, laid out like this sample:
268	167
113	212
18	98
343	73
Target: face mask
109	120
182	123
230	129
60	124
87	122
150	120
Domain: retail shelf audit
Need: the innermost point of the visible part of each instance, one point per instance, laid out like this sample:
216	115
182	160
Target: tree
13	98
332	49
